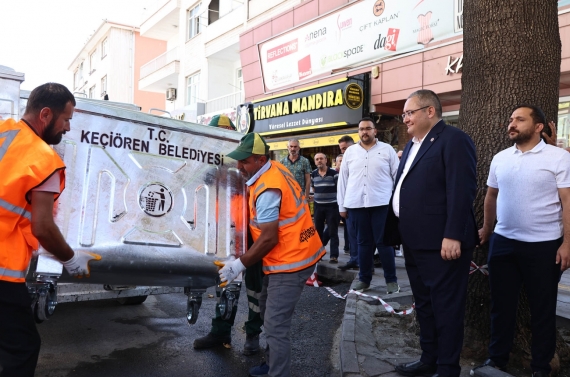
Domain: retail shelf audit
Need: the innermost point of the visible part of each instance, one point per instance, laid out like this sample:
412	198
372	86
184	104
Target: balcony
162	23
225	102
161	73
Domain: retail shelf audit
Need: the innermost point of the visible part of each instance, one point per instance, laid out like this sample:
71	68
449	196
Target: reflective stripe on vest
9	137
12	273
287	174
306	262
253	222
15	209
261	187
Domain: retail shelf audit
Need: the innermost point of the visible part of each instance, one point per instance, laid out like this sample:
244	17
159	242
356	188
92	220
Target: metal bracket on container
193	306
228	299
44	297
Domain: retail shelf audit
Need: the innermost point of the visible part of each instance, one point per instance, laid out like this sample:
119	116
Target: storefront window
330	151
451	118
563	124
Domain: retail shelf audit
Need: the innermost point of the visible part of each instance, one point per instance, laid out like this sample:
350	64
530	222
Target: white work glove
78	265
230	271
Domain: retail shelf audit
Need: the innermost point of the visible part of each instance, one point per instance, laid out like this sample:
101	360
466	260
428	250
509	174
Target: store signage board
367	30
337	104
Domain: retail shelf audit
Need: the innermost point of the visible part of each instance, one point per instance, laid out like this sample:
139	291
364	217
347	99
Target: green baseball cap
222	120
249	145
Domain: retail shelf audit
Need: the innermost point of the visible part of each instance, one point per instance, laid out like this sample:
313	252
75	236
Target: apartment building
109	64
200	73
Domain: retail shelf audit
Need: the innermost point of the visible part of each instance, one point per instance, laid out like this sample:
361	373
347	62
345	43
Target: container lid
10	73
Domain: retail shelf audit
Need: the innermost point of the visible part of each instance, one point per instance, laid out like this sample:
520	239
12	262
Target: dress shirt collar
375	144
537	148
420	141
256	176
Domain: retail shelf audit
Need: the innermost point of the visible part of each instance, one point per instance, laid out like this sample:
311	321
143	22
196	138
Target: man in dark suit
433	202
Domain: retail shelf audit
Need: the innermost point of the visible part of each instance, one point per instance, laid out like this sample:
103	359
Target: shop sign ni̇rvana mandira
336	104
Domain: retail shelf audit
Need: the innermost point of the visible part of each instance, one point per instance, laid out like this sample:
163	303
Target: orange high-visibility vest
299	245
26	161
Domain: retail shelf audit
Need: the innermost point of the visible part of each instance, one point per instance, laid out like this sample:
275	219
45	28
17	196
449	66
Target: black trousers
511	264
19	338
328	213
440	292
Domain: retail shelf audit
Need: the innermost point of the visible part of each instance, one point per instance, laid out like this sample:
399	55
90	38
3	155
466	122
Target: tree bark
511	56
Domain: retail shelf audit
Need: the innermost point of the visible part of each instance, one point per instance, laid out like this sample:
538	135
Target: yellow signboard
312	142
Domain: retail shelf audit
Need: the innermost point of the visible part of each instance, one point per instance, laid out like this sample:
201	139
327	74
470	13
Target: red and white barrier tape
314	282
386	306
332	292
484	269
313	279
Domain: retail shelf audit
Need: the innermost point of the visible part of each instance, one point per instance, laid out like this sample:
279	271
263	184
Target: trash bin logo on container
155	199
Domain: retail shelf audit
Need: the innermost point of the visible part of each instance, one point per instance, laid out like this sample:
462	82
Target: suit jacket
436	197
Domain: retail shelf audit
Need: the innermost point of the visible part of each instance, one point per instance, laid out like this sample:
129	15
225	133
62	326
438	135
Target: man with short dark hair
433	202
345	142
284	238
365	183
529	195
299	166
32	179
324	183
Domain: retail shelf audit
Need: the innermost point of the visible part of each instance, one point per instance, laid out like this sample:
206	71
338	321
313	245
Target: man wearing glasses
365	184
433	200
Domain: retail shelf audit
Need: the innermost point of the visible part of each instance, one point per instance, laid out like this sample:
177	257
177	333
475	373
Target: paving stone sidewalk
374	341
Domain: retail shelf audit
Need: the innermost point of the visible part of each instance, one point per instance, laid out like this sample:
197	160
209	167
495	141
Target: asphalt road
104	338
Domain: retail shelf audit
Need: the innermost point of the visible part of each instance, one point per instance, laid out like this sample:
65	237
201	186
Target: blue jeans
368	224
350	237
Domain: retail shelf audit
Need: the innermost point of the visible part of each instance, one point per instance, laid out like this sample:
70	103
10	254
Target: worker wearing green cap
284	238
222	121
221	331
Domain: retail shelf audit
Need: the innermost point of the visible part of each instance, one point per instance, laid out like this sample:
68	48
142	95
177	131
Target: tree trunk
511	55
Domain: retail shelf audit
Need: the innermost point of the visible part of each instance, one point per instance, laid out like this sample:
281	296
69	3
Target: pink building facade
435	65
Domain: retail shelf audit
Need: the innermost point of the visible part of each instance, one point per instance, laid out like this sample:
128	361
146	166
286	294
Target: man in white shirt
529	196
364	187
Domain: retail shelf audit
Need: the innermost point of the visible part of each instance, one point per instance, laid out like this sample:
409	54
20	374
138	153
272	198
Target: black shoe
416	368
348	266
377	261
487	363
213	340
251	346
540	374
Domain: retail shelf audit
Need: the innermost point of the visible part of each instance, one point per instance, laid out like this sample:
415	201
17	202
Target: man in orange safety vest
32	179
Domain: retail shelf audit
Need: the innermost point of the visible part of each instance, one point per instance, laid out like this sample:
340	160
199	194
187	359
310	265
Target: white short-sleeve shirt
528	205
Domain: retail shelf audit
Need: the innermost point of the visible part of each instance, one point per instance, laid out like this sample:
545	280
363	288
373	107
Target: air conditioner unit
171	94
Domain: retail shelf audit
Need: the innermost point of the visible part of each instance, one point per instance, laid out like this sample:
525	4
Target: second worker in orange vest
284	238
